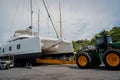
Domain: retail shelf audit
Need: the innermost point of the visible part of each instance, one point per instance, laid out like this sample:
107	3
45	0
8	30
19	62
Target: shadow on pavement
95	68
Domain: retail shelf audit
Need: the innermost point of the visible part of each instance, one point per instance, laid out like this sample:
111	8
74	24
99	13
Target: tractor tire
83	60
111	59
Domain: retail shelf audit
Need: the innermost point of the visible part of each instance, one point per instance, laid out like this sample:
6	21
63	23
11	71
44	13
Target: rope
49	8
11	27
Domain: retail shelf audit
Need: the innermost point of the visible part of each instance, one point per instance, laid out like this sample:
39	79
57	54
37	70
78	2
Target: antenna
50	18
60	20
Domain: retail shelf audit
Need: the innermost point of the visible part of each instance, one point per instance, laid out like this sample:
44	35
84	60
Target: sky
81	19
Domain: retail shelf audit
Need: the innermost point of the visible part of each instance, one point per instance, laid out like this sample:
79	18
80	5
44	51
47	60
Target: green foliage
80	43
114	33
93	40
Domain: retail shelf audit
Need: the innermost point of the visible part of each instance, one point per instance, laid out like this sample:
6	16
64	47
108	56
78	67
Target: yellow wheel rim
82	60
112	59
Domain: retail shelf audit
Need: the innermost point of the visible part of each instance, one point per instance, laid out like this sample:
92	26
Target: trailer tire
111	59
83	60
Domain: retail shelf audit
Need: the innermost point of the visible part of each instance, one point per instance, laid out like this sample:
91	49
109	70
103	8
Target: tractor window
109	39
100	40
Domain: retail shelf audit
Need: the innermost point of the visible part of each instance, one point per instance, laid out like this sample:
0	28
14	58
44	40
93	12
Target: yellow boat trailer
54	61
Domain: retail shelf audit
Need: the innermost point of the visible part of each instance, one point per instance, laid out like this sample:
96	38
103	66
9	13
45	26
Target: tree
115	34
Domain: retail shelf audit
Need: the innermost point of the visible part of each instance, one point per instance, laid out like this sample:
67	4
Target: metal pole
31	16
38	22
60	20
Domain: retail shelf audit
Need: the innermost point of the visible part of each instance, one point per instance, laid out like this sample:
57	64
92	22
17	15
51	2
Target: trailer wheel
83	60
111	59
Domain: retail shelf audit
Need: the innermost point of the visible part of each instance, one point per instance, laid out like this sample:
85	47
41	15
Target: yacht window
10	48
18	46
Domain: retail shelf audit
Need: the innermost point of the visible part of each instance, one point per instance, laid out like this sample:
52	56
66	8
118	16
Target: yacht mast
60	20
31	11
38	22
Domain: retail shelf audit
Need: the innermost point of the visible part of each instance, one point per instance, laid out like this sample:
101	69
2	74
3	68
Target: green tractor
105	52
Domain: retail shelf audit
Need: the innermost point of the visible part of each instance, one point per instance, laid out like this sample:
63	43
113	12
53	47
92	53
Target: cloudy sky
81	19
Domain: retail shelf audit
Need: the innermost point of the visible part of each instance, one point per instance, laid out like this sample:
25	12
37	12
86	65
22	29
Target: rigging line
63	32
50	18
51	31
23	12
49	28
39	16
27	7
44	20
55	23
37	20
13	18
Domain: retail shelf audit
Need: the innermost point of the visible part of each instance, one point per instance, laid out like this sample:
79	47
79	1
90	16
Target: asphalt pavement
59	72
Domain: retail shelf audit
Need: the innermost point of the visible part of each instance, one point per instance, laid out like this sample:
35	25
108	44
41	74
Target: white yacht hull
36	47
24	48
56	46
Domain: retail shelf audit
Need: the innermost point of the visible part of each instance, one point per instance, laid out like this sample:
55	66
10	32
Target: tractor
105	52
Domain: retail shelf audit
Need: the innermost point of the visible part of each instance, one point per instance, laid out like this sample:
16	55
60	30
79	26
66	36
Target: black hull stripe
39	55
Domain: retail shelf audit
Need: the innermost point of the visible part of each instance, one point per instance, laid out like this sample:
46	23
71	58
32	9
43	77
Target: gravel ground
59	72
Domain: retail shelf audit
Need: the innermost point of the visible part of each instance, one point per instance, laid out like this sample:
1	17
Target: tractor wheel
111	59
83	60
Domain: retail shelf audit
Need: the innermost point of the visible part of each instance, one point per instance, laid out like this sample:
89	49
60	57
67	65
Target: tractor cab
100	40
102	43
